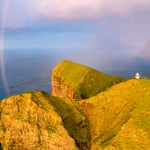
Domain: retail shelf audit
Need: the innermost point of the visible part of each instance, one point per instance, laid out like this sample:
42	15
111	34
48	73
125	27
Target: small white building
137	75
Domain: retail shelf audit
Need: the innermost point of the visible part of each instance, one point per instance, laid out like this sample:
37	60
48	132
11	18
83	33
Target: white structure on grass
137	75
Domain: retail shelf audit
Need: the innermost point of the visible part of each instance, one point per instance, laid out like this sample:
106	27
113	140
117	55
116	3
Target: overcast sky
109	28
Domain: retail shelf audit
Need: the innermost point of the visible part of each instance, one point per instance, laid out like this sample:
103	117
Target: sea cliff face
62	89
29	122
75	81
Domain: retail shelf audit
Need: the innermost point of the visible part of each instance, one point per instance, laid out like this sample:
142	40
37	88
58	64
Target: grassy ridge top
84	79
72	73
135	134
119	117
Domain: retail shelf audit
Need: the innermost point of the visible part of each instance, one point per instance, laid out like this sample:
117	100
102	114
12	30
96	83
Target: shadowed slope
74	121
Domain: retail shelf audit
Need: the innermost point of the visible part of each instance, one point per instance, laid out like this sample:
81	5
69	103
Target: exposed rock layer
62	89
29	122
75	81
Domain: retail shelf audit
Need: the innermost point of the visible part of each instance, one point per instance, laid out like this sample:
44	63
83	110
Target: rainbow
2	31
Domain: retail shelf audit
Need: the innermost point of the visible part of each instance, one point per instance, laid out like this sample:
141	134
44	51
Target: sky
105	31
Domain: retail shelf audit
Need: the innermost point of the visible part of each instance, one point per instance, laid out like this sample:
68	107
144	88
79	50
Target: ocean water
30	69
27	70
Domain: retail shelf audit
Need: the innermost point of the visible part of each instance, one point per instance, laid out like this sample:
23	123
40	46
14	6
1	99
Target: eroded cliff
29	122
77	81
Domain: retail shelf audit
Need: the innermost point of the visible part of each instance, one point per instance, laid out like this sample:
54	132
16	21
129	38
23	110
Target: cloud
32	12
68	10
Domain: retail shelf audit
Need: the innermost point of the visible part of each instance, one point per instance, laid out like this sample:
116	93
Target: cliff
77	81
118	114
30	121
117	117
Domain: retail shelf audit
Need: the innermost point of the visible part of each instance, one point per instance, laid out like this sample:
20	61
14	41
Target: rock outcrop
29	122
61	89
75	81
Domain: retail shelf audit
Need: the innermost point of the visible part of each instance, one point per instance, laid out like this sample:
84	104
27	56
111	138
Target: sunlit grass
82	79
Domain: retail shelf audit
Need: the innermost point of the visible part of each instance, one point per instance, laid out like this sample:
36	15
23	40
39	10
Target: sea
27	70
31	69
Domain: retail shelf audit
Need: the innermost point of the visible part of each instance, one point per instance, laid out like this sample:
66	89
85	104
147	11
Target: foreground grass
119	118
135	134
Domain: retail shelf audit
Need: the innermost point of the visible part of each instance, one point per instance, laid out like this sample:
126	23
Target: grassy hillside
114	117
82	79
135	134
119	118
29	121
40	121
74	121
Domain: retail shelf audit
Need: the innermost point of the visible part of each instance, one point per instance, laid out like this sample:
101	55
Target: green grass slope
82	79
135	134
119	118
